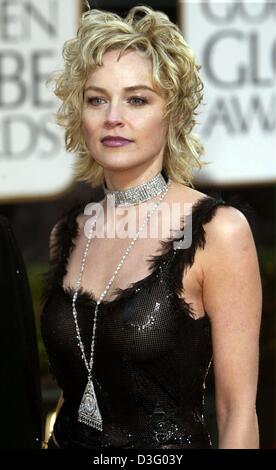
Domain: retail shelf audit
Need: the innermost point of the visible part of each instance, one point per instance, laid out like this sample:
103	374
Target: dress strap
202	213
66	231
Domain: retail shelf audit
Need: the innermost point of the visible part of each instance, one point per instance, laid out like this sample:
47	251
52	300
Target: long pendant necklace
89	412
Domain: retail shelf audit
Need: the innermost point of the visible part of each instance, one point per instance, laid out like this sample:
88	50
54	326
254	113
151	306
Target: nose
114	117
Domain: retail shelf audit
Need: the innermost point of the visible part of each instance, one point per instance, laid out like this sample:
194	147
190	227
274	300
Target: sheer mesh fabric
151	354
106	251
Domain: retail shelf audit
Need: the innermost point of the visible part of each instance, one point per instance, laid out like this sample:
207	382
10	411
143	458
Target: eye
94	100
137	100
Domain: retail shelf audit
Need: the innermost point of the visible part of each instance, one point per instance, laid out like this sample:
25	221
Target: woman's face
119	101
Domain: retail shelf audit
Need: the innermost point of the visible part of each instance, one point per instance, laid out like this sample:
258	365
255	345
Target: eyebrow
128	88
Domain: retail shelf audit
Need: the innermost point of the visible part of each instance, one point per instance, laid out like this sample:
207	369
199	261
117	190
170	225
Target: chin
118	168
119	163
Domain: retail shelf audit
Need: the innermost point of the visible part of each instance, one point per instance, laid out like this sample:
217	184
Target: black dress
20	394
151	355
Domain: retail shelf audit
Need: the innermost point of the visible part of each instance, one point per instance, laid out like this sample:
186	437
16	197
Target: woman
131	321
19	366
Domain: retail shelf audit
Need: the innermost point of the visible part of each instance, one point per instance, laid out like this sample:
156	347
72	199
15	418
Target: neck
120	181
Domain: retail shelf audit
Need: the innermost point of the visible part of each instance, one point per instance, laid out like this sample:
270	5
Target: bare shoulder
225	270
228	222
229	229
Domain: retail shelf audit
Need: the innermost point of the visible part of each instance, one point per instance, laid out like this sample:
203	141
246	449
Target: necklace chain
89	364
89	412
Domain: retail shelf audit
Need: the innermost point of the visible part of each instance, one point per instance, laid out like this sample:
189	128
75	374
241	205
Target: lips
112	141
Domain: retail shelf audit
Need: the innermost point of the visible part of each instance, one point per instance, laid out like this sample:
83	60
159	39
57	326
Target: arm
59	403
232	296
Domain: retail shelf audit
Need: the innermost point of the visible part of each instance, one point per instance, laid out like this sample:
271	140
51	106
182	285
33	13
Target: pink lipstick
115	141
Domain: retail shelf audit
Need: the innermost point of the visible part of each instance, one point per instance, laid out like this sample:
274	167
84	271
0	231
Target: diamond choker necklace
137	194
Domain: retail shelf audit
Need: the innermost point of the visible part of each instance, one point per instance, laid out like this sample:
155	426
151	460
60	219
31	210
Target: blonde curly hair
174	72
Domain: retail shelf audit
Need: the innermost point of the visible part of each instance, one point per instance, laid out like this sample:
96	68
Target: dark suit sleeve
20	392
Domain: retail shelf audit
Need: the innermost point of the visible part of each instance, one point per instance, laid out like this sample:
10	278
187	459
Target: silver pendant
89	412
